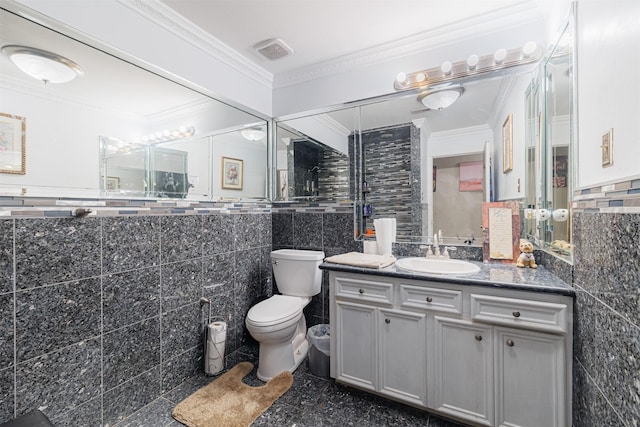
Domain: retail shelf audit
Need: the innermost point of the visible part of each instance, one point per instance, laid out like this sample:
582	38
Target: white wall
608	89
506	184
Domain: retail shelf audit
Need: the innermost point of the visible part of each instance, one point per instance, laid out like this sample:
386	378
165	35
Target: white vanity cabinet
483	355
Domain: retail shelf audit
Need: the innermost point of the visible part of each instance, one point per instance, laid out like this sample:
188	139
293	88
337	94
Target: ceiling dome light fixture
253	133
42	65
440	99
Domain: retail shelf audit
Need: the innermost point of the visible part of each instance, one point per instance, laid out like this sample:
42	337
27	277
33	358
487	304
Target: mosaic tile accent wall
606	230
100	315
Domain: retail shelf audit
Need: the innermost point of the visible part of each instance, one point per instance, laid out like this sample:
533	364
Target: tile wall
99	315
606	234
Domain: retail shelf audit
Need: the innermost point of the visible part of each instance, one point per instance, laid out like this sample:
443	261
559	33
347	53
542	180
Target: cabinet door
463	376
355	344
530	379
402	350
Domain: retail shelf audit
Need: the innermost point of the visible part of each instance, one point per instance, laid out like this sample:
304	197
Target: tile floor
311	402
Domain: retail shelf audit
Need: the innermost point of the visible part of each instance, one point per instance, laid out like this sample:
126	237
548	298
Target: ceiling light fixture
474	65
440	99
253	133
42	65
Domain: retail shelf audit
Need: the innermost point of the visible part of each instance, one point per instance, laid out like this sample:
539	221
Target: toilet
278	323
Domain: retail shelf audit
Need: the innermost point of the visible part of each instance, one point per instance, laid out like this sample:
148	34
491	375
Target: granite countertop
496	275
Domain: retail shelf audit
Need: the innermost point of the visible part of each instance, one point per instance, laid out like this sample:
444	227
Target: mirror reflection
129	121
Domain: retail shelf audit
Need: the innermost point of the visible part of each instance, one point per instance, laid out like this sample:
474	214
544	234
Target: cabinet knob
510	343
429	299
387	321
361	291
478	337
516	314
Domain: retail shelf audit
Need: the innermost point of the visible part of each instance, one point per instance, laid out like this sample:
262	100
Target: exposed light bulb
446	68
401	77
472	61
500	55
529	48
420	77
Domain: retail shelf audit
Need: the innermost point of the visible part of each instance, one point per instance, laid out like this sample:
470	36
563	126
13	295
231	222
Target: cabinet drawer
379	293
542	316
432	299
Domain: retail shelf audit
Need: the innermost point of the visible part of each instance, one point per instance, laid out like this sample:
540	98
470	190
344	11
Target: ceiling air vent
273	49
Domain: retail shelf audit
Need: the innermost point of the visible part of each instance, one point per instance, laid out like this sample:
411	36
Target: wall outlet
607	142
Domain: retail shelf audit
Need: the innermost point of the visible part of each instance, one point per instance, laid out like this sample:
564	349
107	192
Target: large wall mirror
551	140
119	130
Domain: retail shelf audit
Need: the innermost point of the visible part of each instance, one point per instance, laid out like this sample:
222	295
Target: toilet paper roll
385	234
216	340
370	247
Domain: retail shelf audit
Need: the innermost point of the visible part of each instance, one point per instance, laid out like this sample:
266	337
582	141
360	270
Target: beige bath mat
228	402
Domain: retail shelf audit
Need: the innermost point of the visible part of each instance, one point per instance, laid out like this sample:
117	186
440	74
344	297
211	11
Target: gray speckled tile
265	229
341	406
585	332
279	414
181	283
88	414
221	302
217	234
219	270
186	388
59	381
52	317
307	231
305	389
337	232
183	366
6	255
6	331
129	351
282	229
130	297
56	250
389	414
6	394
130	242
180	330
247	231
129	397
181	238
156	414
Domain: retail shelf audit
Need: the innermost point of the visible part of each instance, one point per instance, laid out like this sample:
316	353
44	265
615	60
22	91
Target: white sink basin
436	266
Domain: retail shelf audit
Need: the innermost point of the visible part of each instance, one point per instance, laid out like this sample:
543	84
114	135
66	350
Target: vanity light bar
167	135
473	65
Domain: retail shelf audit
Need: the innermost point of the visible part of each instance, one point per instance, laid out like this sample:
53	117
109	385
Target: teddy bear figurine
526	258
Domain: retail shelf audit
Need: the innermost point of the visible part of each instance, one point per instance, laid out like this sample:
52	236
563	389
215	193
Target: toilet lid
278	308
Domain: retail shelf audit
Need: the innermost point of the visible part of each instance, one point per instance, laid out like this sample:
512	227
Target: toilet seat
277	309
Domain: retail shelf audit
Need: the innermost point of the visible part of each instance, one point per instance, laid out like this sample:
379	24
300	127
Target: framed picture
507	144
112	183
231	173
471	174
13	140
607	141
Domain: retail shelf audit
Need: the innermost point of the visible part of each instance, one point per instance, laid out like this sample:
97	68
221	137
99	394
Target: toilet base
276	358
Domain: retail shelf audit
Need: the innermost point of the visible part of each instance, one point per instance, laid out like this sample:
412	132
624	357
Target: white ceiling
322	31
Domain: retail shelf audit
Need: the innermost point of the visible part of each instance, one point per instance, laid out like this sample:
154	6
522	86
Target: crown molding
466	29
457	133
331	123
165	17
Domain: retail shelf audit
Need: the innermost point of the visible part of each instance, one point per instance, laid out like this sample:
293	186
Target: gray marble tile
51	317
181	283
187	387
156	414
6	331
56	250
181	238
585	342
248	231
181	330
6	394
218	234
282	230
130	297
280	414
219	270
131	396
389	414
265	229
338	232
221	303
59	381
130	242
130	351
180	368
307	231
341	406
6	255
88	414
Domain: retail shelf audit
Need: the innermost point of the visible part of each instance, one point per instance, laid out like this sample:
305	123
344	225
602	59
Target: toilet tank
296	271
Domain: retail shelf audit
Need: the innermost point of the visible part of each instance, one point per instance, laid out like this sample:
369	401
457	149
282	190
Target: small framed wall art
232	173
507	144
13	141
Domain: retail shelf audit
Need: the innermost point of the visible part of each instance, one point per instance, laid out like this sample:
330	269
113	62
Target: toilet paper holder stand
204	301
